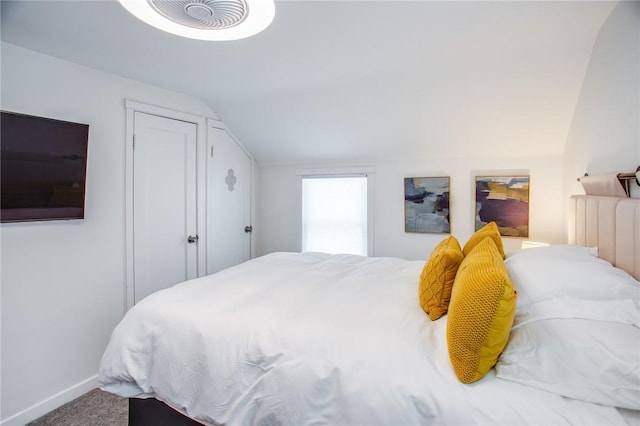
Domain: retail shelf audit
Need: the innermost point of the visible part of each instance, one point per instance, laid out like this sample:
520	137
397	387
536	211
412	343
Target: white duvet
313	339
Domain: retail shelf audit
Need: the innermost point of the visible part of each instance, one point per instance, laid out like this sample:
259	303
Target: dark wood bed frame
151	412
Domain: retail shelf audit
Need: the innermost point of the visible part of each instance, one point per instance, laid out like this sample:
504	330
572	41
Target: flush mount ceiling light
205	19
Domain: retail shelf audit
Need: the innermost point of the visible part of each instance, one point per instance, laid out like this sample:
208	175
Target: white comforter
301	339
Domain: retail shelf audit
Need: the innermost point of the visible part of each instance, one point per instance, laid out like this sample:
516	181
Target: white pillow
593	361
570	282
577	327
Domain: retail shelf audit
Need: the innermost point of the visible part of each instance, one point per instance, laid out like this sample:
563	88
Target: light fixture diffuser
205	19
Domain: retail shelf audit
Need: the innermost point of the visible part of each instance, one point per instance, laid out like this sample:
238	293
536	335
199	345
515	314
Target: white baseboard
51	403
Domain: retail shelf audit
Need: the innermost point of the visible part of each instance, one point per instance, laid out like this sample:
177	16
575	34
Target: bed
312	338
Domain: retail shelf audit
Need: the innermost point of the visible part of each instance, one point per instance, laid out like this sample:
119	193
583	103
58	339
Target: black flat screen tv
43	167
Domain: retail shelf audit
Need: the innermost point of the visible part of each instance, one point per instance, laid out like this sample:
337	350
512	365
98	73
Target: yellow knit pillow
483	304
489	230
437	277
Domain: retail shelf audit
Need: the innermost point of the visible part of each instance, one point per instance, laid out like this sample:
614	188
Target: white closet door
164	203
228	203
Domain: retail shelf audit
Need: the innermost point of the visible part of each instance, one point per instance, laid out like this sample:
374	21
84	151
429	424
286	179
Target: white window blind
334	214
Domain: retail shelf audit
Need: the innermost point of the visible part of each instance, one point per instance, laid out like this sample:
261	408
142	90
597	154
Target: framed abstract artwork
505	201
426	205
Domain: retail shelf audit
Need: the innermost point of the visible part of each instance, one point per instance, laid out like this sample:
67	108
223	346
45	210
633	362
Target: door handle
248	229
191	239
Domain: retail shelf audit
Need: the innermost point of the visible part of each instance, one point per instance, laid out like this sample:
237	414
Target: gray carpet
95	408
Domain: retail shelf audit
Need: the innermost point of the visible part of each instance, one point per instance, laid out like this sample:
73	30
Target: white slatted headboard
628	236
612	224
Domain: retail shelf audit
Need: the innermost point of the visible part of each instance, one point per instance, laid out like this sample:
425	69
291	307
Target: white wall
279	212
63	282
604	136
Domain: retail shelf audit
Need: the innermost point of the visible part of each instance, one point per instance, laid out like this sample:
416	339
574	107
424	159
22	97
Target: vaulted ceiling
353	80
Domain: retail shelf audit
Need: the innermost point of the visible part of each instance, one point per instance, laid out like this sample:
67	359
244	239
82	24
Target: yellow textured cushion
437	277
481	312
489	230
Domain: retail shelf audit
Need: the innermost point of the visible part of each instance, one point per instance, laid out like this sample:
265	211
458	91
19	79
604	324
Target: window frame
339	172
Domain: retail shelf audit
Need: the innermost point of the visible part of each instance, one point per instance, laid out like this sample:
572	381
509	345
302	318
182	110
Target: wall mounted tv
43	168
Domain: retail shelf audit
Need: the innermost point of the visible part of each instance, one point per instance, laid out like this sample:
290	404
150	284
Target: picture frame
505	201
426	205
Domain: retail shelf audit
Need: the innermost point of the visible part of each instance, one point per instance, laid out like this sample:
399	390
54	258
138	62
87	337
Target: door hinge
134	141
211	151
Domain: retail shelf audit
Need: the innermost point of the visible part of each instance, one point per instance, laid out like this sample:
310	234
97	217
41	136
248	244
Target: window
335	214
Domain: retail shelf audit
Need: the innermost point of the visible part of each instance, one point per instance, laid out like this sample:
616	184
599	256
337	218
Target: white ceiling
353	80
